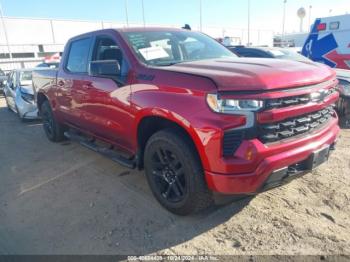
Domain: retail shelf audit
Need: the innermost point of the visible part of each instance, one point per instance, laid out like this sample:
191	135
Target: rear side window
79	55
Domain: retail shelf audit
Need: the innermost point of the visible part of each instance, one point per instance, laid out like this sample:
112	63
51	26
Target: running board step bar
107	152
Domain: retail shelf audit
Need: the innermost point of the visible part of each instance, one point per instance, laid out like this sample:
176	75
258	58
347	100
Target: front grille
296	100
294	126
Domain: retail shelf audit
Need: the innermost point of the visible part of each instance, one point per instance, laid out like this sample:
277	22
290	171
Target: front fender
195	134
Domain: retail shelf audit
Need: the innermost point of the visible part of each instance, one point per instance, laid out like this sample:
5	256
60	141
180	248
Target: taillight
322	27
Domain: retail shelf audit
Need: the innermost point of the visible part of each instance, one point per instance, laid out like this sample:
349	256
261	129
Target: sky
265	14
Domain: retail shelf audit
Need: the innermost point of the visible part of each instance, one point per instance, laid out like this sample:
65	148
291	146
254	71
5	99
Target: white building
26	42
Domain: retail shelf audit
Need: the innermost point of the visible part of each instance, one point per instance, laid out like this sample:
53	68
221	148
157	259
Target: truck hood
238	74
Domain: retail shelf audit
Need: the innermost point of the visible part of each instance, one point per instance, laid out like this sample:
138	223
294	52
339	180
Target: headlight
344	87
27	97
233	106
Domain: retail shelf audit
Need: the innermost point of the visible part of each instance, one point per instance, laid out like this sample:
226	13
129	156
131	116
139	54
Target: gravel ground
64	199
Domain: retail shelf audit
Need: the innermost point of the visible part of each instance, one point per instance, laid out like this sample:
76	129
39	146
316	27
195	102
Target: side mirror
104	68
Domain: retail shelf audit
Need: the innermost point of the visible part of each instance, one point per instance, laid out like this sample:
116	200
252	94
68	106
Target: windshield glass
288	54
25	76
163	48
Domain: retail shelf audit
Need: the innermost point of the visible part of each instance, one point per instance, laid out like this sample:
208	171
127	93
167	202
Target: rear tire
54	130
175	174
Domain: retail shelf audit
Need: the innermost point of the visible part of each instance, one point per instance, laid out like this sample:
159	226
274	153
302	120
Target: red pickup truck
198	119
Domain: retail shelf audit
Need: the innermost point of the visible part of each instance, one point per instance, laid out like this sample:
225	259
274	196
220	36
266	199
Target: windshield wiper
168	64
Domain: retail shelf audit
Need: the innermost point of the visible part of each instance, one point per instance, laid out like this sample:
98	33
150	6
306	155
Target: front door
107	103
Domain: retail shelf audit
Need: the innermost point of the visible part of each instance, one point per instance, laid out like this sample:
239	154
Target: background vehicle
329	41
19	94
344	90
268	52
48	65
3	79
198	119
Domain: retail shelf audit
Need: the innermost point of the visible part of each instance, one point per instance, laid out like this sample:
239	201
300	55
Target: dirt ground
65	199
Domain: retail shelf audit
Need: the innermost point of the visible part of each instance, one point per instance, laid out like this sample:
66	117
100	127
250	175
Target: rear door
71	92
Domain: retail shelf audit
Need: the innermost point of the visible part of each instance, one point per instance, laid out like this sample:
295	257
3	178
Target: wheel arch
40	99
152	123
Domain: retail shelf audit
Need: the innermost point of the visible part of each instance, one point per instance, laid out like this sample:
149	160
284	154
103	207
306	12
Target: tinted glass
289	55
25	76
163	48
107	49
78	56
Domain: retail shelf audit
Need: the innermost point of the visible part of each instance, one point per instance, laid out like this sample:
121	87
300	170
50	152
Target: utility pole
248	23
5	31
284	20
126	13
200	15
310	9
143	13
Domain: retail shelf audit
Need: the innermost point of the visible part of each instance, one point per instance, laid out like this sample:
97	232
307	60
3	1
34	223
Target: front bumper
275	164
27	110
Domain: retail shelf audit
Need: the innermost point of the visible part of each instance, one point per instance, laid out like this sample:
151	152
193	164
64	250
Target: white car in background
19	94
344	90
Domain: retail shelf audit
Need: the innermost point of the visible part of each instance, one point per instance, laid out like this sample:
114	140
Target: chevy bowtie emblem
319	96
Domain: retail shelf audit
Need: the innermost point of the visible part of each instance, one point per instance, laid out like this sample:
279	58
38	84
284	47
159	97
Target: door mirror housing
104	68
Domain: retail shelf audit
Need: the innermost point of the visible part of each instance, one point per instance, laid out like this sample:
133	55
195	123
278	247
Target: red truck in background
198	119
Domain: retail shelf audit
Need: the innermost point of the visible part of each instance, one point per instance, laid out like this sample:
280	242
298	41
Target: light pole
310	9
126	13
143	14
248	23
200	15
284	20
5	31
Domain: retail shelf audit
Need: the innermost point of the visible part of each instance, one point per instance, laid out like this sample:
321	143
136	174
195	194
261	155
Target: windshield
288	54
163	48
25	76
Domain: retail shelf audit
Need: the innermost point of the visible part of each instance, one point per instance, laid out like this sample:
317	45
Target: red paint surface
177	93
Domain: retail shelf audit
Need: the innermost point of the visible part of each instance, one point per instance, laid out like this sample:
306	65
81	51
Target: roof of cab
129	29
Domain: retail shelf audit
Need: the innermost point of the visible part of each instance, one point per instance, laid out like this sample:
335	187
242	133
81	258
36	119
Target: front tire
54	130
7	103
175	174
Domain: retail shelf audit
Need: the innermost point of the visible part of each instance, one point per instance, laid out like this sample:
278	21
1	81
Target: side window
334	25
13	80
107	49
78	56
